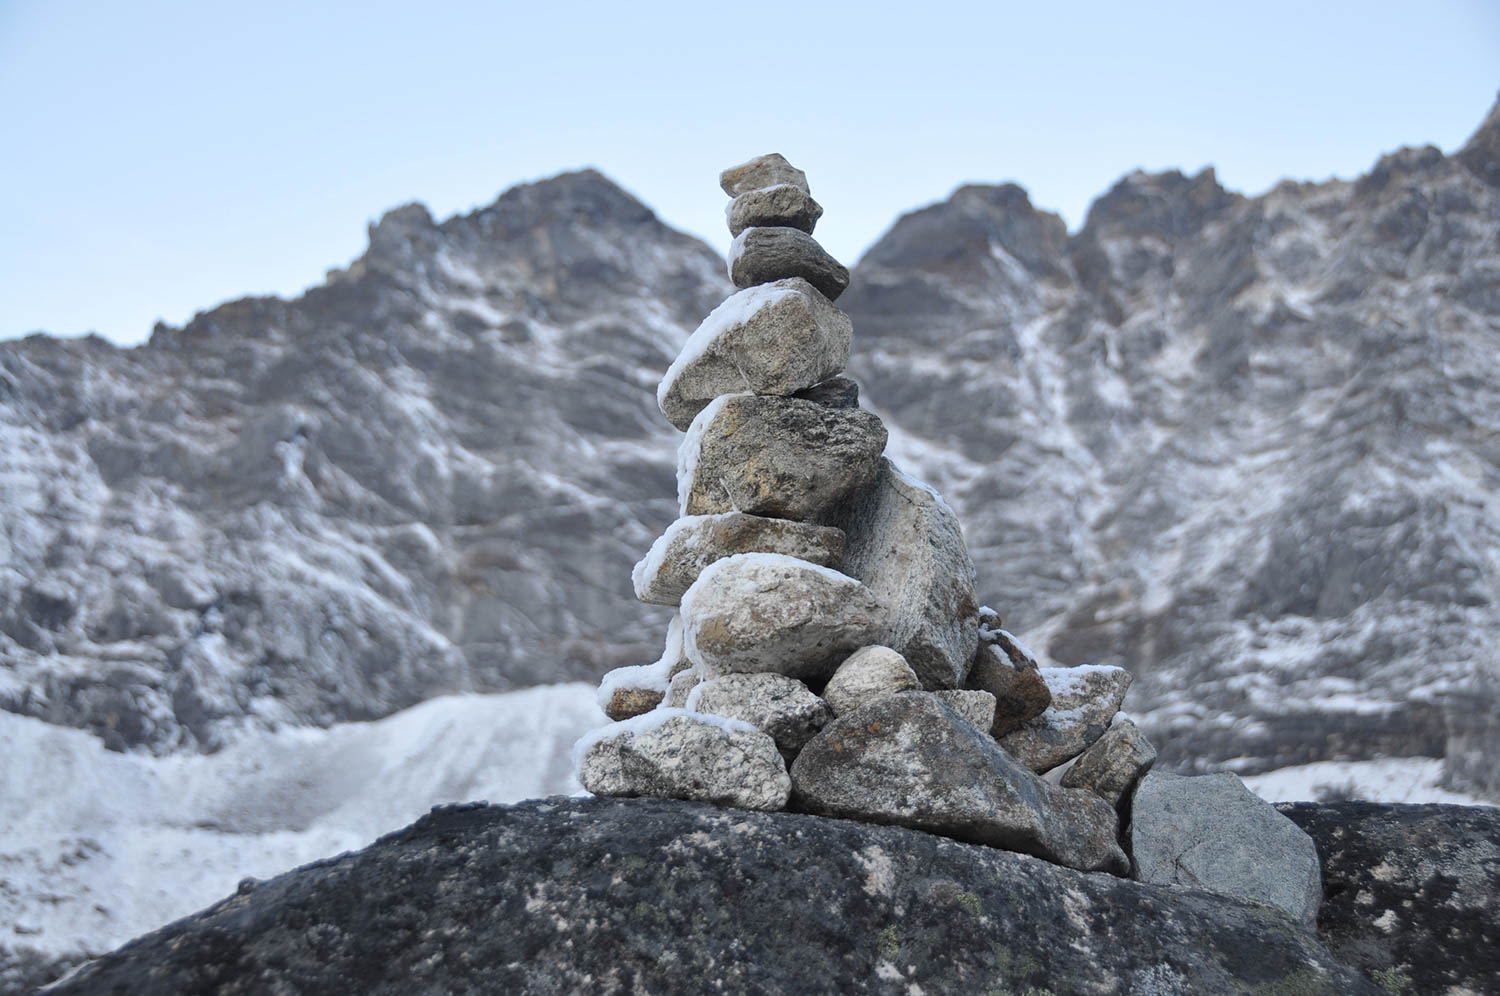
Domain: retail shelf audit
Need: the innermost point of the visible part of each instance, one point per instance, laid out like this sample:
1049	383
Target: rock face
304	511
780	457
764	612
911	760
1409	892
695	541
621	896
675	754
1211	832
779	338
905	544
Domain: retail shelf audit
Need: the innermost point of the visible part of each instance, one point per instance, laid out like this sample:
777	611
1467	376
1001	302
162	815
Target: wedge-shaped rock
784	205
763	171
904	542
776	338
866	675
1211	832
1003	668
695	541
765	612
836	392
976	706
776	705
674	754
1114	764
762	255
910	760
779	457
1084	702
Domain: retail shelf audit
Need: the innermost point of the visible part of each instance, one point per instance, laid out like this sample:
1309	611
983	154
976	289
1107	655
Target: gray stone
1084	702
1019	691
778	457
770	170
783	206
904	542
680	687
674	754
765	612
762	255
1211	832
974	705
776	705
695	541
836	392
910	760
1112	766
777	338
614	897
868	674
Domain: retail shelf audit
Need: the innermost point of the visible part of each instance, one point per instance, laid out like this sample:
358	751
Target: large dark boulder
603	896
1411	894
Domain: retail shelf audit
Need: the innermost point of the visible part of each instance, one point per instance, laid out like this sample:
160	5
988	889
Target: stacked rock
828	654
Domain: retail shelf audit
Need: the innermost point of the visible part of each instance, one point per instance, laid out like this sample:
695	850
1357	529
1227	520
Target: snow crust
98	847
648	676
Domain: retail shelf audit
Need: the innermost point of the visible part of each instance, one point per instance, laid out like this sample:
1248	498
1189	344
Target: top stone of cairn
762	171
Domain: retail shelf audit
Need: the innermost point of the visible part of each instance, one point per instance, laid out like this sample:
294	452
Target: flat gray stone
978	707
770	170
904	542
910	760
784	205
765	612
866	675
776	705
776	338
1084	702
779	457
695	541
1211	832
1112	766
762	255
673	754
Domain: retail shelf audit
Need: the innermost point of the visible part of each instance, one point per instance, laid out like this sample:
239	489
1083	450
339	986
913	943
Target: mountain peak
1481	153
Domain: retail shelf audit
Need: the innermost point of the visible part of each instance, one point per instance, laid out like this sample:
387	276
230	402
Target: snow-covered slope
1246	447
97	847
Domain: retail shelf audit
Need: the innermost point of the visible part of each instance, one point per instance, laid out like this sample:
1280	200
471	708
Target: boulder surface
621	896
1211	832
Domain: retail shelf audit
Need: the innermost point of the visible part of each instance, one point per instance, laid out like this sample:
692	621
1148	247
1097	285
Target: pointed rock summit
829	654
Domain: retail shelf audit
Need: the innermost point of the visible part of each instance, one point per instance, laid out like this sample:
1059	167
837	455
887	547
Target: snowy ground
98	847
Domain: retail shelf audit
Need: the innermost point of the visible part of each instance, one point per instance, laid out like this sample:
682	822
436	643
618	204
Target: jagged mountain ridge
433	472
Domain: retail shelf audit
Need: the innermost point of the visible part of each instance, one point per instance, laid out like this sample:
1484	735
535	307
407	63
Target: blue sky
157	158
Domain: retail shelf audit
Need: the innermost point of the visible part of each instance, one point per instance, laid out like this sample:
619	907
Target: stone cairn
829	655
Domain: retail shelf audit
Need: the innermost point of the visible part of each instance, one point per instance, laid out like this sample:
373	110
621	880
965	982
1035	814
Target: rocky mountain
1245	447
637	895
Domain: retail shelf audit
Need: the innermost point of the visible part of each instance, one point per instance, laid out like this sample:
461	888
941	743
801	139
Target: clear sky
158	157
